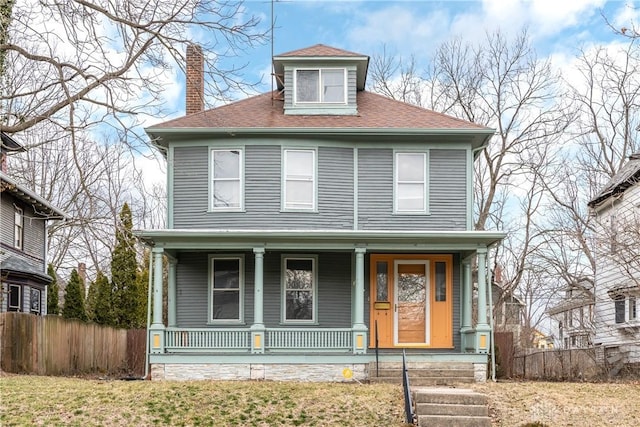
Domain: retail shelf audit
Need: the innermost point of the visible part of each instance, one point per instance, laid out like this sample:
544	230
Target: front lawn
49	401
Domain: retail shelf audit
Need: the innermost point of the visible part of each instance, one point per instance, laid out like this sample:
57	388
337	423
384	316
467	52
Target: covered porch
353	340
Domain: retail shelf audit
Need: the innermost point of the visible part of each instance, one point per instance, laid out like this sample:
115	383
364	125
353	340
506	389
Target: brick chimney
194	80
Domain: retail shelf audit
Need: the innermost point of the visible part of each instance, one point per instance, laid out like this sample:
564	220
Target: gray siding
33	231
334	289
446	192
263	178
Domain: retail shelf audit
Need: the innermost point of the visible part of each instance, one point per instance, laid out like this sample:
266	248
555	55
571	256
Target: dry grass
32	400
563	404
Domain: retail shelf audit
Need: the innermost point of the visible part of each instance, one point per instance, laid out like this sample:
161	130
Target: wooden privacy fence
574	364
51	345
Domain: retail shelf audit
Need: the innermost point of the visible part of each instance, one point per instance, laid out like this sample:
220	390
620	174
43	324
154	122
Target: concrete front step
451	407
421	365
449	421
436	372
423	381
452	396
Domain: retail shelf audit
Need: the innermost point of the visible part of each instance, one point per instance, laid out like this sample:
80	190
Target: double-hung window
227	287
410	183
15	298
226	180
299	289
299	180
18	228
324	85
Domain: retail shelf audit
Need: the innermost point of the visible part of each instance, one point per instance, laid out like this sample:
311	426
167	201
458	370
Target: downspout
491	325
146	354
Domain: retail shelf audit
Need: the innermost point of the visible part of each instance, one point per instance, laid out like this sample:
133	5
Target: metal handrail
408	405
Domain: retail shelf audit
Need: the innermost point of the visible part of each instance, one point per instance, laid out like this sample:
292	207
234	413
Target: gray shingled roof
16	265
627	176
42	206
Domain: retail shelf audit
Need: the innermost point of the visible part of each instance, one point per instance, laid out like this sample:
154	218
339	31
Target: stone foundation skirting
480	372
259	371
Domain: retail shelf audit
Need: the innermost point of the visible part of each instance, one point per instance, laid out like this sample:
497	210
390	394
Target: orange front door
411	301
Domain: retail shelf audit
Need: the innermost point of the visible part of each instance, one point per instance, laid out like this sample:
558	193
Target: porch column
258	329
467	304
482	329
359	328
171	294
156	330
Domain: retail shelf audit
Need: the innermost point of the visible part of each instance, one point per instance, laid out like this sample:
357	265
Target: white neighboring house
573	316
617	251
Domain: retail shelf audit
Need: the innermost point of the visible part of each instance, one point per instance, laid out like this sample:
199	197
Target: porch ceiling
378	240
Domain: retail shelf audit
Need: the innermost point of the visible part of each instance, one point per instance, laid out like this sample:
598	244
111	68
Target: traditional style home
313	227
573	316
617	280
23	241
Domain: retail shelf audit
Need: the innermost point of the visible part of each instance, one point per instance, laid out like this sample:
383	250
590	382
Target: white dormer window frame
322	84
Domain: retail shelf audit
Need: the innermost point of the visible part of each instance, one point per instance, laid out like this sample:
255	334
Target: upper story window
299	180
18	228
227	285
226	180
619	303
410	183
324	85
299	291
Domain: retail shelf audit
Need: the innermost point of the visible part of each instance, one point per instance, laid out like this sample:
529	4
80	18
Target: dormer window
324	85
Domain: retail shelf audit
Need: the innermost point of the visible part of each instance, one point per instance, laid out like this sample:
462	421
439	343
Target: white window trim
319	101
18	228
314	290
314	178
212	206
241	286
425	209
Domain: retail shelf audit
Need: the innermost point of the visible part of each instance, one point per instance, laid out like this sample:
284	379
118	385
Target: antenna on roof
273	70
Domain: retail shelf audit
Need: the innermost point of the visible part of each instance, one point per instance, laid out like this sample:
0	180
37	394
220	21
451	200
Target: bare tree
106	60
90	181
499	83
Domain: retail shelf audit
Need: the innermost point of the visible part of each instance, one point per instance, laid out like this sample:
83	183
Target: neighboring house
508	309
573	317
617	321
23	240
541	341
310	224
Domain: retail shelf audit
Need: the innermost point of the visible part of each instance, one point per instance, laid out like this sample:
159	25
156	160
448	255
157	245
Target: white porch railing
239	339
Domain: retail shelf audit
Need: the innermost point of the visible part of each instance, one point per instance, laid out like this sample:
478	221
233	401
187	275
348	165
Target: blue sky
416	27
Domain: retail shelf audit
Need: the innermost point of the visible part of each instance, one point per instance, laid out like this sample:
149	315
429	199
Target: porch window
299	289
226	180
227	286
18	227
35	301
325	85
410	183
299	180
